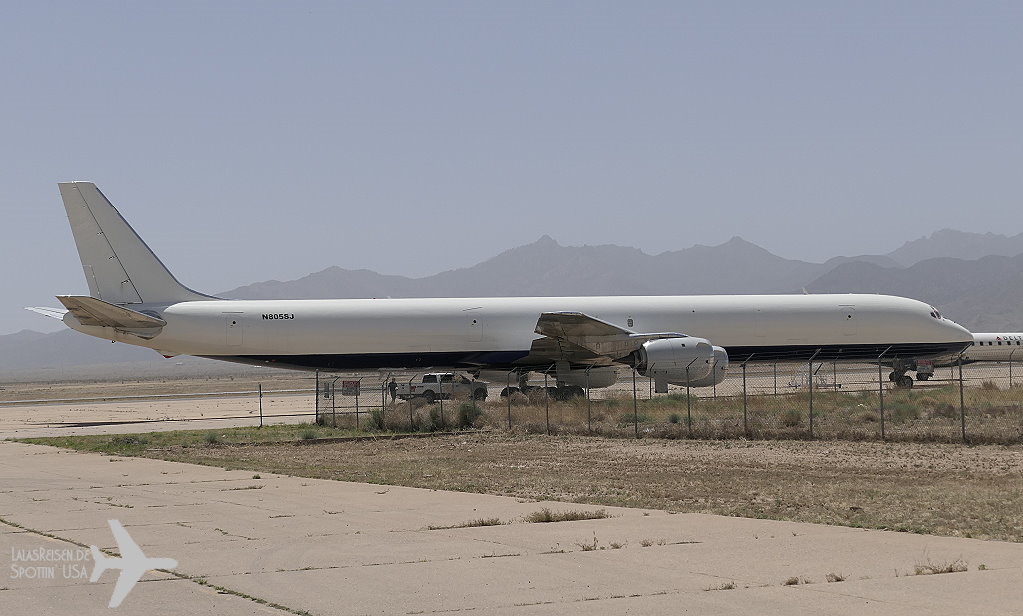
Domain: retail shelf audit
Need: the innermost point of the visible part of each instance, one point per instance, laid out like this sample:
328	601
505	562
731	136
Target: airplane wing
574	331
125	582
125	545
53	313
92	311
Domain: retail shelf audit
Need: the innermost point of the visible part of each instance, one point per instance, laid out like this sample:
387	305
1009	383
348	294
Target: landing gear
898	374
563	393
901	379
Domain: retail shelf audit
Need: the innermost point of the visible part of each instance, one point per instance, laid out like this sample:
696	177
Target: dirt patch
916	487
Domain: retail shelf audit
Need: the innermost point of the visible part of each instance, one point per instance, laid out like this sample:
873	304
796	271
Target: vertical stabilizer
119	267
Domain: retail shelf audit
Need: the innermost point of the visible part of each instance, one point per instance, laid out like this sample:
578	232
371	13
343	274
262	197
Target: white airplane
134	299
132	563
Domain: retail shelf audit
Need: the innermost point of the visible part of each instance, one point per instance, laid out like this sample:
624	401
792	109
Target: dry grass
547	515
928	488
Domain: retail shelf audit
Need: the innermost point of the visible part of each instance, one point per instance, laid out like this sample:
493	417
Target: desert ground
934	488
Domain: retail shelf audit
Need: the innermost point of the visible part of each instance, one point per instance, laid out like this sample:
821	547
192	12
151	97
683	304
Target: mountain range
975	279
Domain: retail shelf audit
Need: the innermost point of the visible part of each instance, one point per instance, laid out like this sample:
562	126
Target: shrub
376	419
437	421
468	413
131	440
791	418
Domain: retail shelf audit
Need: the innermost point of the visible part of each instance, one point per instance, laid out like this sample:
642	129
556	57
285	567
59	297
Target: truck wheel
479	394
922	377
429	396
905	381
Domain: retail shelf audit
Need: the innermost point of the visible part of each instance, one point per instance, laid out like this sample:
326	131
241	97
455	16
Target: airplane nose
959	329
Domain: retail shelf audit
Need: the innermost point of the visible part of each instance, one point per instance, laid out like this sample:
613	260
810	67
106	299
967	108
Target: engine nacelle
602	376
717	372
681	361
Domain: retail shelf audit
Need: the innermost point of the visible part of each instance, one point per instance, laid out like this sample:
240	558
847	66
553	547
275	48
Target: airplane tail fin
102	563
119	267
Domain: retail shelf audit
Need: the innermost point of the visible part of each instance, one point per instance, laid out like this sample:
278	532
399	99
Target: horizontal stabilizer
92	311
594	335
53	313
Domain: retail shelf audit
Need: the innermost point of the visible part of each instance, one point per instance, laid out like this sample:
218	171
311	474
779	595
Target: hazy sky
248	141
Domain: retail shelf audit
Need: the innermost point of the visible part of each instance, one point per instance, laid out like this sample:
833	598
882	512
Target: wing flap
92	311
596	336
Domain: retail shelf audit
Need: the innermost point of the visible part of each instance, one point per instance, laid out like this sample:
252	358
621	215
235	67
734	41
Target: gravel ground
915	487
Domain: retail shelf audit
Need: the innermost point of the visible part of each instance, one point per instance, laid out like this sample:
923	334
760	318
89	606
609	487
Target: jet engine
681	361
717	372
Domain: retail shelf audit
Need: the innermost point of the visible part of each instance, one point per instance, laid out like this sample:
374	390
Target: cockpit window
935	313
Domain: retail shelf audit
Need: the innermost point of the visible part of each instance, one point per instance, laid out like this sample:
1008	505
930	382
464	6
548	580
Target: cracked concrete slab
325	547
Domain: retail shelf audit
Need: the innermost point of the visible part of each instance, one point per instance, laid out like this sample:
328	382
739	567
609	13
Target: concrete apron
280	545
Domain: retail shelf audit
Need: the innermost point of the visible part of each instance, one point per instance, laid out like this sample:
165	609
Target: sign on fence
349	388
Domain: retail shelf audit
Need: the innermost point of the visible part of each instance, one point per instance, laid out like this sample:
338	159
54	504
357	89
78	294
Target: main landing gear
561	392
901	380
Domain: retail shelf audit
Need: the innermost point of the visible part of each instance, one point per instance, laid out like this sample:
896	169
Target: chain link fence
976	403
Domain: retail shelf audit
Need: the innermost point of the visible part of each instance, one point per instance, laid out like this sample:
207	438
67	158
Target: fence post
1010	367
745	422
689	404
507	390
809	379
411	423
260	405
635	405
962	401
440	398
383	402
357	392
547	400
333	408
880	389
316	407
589	403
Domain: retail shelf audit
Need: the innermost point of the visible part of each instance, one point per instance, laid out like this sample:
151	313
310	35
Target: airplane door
475	327
234	328
474	321
848	316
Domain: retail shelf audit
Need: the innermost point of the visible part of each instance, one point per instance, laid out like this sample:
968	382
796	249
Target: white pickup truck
441	386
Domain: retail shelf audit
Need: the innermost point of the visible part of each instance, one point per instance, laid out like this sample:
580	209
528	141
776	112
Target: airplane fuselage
353	334
994	347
